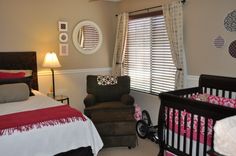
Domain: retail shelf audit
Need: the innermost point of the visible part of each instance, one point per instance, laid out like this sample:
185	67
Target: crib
185	125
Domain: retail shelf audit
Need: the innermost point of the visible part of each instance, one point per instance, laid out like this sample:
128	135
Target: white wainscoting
73	84
151	103
191	81
148	102
69	82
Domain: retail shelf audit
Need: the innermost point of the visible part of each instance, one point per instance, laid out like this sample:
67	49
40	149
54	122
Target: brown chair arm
89	100
127	99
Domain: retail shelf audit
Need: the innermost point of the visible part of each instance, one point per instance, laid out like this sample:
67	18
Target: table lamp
51	61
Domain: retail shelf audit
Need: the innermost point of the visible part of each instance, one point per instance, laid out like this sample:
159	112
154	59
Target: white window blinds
148	59
88	37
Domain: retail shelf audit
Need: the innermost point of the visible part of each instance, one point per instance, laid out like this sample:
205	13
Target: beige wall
133	5
32	25
28	25
203	22
70	82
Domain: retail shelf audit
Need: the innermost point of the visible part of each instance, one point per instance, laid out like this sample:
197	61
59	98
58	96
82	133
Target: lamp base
53	84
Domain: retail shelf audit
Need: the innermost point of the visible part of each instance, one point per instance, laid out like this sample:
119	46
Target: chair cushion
116	128
110	112
109	92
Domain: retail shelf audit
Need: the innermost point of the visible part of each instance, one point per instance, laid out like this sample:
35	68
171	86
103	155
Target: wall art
230	21
219	42
62	26
63	37
64	50
232	49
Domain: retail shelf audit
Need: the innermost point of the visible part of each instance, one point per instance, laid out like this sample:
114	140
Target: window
148	59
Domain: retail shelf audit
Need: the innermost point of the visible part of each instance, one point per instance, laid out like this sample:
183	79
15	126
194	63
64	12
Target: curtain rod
147	9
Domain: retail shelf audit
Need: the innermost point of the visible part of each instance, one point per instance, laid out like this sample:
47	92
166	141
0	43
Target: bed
187	117
63	137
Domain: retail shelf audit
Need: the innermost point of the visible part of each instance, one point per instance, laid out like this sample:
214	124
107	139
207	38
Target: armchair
111	109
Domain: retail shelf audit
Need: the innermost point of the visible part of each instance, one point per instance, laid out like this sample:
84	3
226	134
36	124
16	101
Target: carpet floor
145	147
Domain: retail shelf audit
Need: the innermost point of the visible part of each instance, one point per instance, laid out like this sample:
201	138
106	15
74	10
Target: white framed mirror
87	37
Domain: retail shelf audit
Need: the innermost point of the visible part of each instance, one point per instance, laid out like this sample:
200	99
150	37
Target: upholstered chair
110	107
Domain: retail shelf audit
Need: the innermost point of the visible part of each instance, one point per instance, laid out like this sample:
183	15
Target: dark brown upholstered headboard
20	60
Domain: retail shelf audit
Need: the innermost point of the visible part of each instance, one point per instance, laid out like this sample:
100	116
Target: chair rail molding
73	71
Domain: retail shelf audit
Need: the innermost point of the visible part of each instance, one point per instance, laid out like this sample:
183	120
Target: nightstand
62	98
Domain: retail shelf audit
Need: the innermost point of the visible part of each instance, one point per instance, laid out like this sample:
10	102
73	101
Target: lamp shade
51	60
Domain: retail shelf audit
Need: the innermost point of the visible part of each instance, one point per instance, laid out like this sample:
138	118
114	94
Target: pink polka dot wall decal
219	42
232	49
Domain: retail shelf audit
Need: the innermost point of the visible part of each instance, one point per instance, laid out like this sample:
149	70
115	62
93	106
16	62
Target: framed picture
63	26
63	37
64	50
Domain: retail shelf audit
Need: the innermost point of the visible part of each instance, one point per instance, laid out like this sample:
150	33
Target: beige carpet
144	148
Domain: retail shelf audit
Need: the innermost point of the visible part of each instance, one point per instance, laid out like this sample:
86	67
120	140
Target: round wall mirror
87	37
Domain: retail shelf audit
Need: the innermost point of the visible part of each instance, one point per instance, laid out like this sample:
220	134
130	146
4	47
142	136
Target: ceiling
108	0
114	0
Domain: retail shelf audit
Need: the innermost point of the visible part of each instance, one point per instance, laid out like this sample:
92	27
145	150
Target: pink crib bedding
227	102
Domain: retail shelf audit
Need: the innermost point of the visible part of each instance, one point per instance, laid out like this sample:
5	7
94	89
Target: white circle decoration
63	37
83	30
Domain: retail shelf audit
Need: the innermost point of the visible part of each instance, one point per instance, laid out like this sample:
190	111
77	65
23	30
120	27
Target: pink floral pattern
222	101
138	112
187	130
184	114
227	102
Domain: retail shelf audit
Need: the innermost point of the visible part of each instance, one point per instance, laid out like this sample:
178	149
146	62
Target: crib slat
198	134
223	93
205	137
191	136
230	94
173	128
204	90
211	91
179	125
168	127
185	125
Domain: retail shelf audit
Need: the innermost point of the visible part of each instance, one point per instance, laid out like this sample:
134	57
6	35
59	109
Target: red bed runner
25	121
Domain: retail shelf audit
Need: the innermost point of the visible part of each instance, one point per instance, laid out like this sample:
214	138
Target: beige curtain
173	13
119	50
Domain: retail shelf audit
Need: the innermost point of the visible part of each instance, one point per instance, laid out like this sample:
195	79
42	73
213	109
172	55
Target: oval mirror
87	37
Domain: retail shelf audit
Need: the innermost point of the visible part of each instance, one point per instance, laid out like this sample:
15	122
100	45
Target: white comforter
47	141
224	137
